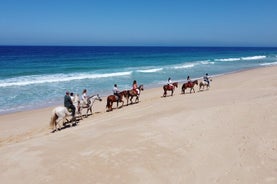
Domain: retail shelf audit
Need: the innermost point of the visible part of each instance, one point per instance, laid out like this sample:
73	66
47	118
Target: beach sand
227	134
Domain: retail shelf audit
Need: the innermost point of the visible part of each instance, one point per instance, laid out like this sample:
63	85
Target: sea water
38	76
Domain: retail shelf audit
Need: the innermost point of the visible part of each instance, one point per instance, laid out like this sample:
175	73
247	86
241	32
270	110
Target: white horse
204	84
77	104
88	104
58	116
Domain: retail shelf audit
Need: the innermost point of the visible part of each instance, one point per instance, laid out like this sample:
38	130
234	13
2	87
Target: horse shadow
68	124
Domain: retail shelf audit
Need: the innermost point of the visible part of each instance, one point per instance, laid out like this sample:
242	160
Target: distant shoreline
148	87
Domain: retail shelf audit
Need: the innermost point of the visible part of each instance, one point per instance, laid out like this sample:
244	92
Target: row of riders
170	86
73	103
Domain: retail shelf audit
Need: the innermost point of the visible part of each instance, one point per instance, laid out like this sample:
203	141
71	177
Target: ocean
38	76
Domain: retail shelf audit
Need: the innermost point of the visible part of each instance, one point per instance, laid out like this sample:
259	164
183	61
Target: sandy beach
227	134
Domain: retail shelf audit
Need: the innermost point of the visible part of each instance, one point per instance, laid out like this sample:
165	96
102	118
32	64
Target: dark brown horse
114	98
189	85
171	88
132	93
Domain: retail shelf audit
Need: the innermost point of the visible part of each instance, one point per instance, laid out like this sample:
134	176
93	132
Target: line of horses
128	94
59	114
190	85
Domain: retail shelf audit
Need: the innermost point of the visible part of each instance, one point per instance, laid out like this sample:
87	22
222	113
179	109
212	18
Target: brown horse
171	88
132	93
114	98
189	85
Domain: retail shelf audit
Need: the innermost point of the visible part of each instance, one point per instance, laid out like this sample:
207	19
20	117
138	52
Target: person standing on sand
69	104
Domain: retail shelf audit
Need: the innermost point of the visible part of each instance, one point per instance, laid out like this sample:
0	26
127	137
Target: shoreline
150	87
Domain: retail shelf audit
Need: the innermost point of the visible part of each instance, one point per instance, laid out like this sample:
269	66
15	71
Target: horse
77	103
203	84
132	93
59	115
114	98
171	88
88	104
189	85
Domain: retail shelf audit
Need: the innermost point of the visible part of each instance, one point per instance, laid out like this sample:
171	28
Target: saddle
189	84
117	98
135	91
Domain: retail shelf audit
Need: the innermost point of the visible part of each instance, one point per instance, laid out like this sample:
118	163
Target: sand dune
226	134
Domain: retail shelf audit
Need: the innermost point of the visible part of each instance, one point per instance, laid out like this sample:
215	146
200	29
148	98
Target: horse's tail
108	103
183	88
53	119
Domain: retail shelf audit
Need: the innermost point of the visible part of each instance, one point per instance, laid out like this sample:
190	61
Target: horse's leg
122	103
87	112
58	123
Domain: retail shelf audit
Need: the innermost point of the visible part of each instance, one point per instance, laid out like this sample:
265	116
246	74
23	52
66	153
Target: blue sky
139	23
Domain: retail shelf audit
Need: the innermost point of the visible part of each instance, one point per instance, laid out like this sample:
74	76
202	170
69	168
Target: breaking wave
39	79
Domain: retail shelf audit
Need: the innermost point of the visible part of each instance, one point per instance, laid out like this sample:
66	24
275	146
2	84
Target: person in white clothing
169	82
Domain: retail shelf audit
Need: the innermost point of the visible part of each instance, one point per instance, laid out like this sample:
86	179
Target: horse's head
98	97
93	98
175	84
141	87
124	93
196	82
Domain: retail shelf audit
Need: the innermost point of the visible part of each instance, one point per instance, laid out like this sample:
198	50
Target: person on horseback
169	82
206	79
116	92
72	96
69	104
135	87
188	80
84	96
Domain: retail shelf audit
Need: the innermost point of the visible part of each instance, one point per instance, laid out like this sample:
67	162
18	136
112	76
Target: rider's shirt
115	90
84	97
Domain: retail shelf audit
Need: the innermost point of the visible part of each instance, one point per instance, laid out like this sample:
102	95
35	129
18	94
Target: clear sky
139	22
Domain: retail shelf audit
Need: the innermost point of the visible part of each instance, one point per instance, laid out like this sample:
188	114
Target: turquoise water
34	77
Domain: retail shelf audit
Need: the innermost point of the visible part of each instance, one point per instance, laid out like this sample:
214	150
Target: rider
188	80
116	92
84	96
72	96
169	82
206	79
69	104
135	87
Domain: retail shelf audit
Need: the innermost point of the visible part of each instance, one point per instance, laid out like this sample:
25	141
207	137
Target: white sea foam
253	57
206	62
38	79
242	58
228	59
150	70
184	66
268	64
